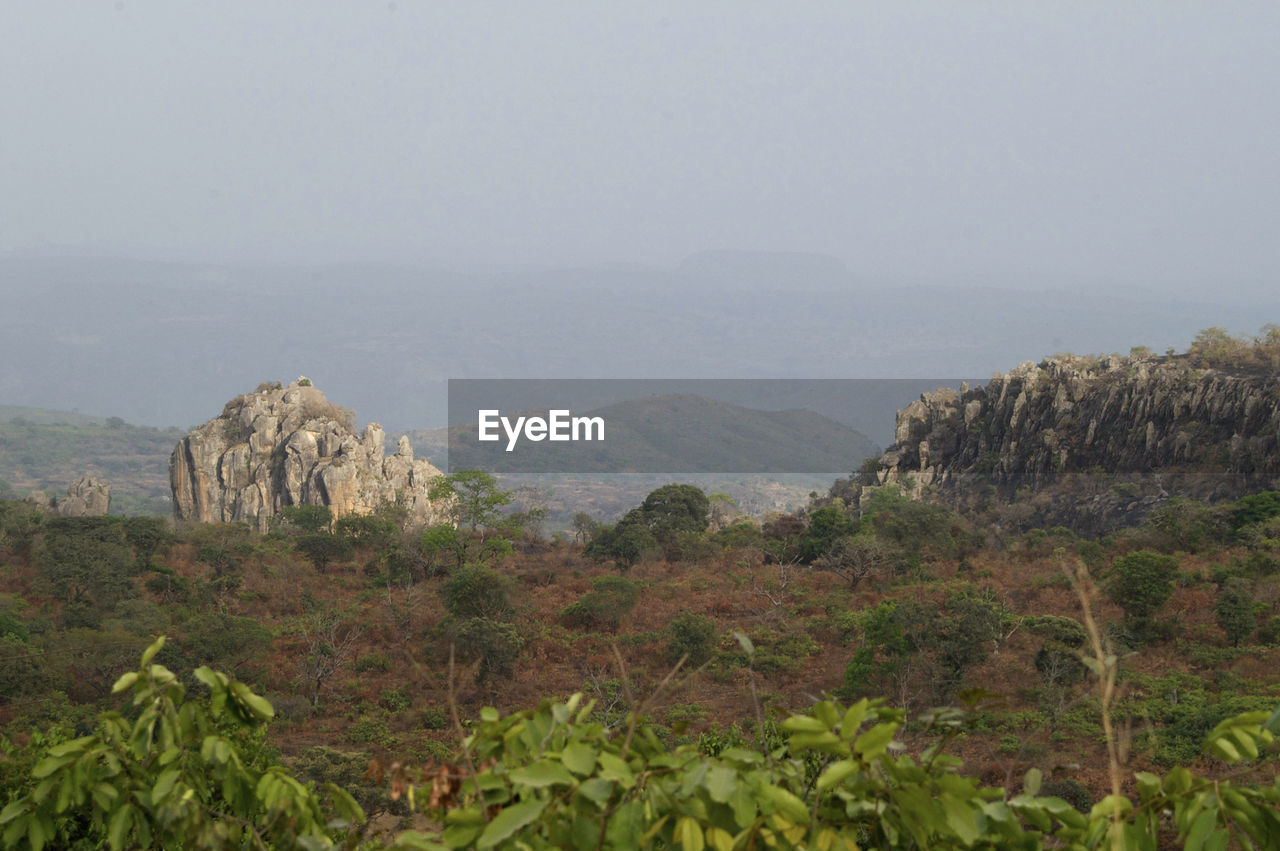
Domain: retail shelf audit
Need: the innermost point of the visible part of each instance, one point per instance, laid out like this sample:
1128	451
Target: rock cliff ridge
1092	443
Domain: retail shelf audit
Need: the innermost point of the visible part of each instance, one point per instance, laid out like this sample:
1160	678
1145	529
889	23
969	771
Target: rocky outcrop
280	446
87	497
1117	435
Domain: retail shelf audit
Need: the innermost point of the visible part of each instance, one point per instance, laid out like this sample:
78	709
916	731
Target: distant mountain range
166	344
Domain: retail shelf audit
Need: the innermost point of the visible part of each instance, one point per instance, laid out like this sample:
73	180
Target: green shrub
611	599
395	699
692	635
1141	582
373	662
495	644
477	592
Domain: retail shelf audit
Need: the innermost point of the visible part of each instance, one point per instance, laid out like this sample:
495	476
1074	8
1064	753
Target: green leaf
120	821
626	824
540	774
509	821
853	719
124	682
579	757
1273	723
836	773
614	768
49	765
786	803
721	840
720	783
747	646
804	724
164	785
259	706
1224	749
873	742
36	835
12	811
961	818
596	790
689	834
460	835
1200	830
150	652
744	805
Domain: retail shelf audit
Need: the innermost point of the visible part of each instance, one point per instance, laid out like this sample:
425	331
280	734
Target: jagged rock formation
280	446
1101	441
86	497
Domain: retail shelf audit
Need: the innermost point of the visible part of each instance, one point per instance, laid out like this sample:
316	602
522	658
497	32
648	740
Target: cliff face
1109	437
282	446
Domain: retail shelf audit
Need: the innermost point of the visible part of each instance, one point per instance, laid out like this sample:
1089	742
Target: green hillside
46	450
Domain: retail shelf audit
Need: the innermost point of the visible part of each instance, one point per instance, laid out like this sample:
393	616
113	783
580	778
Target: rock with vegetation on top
289	445
1093	443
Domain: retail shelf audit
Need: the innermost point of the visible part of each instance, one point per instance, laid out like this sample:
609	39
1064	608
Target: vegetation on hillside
372	643
48	450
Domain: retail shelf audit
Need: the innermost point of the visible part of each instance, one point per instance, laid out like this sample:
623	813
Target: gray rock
87	497
1086	425
280	446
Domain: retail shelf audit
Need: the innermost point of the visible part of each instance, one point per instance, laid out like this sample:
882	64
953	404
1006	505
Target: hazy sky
1127	141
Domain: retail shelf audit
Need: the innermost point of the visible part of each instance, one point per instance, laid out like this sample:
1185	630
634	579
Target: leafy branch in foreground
190	772
177	772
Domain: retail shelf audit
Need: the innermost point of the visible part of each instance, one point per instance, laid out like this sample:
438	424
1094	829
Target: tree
1234	610
625	542
328	646
826	525
475	500
675	508
610	599
854	557
1141	582
441	544
88	562
307	518
585	527
366	530
321	549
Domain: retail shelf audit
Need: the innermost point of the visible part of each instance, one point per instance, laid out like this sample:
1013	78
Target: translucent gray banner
675	426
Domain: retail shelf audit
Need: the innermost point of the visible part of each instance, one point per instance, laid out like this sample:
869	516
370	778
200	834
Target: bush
691	635
611	599
495	644
1141	582
1233	610
305	518
395	699
477	592
373	662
